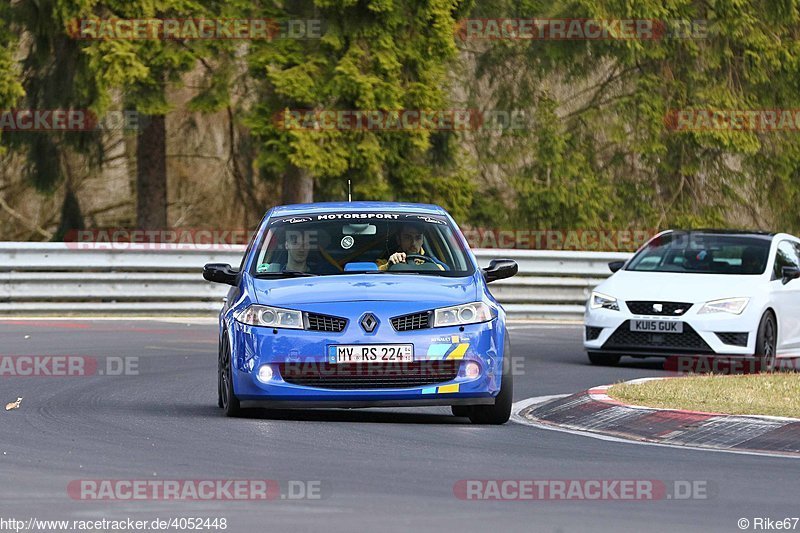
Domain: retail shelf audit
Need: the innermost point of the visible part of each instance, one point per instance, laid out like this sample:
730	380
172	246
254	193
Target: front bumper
252	347
700	336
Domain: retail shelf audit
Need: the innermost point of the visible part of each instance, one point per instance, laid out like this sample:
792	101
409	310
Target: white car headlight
459	315
604	301
734	306
270	317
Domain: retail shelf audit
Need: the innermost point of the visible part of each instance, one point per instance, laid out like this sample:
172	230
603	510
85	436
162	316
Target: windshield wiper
285	274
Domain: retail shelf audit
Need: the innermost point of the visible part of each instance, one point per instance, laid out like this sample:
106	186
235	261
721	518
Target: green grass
754	394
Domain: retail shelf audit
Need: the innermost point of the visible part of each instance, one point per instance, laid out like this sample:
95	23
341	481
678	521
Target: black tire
500	412
460	410
219	375
603	359
230	403
766	342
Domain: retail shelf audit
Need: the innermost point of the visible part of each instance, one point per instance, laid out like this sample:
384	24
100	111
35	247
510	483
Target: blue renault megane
363	304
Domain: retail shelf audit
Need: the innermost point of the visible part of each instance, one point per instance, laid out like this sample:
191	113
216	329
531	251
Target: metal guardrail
119	279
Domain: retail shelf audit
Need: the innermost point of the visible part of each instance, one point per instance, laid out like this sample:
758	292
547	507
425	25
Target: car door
786	297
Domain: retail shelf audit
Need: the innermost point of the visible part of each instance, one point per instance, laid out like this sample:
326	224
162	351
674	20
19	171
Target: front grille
734	339
412	322
625	339
369	375
667	308
318	322
592	333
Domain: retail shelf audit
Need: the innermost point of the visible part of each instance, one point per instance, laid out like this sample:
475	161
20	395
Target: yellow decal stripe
459	352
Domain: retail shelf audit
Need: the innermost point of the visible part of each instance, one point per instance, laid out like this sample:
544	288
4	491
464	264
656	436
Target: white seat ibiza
700	293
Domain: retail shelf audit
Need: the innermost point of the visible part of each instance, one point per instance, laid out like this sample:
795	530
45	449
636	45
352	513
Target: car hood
678	287
365	287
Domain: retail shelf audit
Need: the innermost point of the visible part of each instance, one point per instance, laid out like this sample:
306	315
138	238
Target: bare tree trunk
151	173
242	153
71	216
298	186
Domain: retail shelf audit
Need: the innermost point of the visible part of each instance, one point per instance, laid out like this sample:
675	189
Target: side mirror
220	273
789	273
613	266
500	269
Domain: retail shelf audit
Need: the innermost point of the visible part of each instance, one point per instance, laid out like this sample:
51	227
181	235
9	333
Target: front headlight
270	317
459	315
600	300
734	306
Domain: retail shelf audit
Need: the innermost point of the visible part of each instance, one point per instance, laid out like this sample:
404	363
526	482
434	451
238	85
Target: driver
752	260
410	243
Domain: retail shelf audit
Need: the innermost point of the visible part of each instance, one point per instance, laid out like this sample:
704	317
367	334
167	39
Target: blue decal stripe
438	350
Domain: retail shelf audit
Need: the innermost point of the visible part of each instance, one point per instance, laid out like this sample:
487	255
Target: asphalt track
389	469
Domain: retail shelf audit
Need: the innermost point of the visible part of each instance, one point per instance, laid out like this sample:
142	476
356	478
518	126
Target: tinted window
697	252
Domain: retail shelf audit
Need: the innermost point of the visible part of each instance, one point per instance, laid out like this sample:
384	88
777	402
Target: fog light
264	373
472	369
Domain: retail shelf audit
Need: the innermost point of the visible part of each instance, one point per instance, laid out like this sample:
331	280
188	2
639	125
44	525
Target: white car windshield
700	252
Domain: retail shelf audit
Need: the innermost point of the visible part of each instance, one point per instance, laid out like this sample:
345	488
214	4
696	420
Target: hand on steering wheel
402	257
429	259
419	256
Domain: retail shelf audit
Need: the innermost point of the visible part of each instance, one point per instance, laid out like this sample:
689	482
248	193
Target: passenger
297	250
298	247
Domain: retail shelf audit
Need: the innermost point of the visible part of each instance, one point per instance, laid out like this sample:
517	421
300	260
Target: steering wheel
425	258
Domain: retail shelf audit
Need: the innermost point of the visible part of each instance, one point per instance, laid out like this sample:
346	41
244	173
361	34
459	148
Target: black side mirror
789	273
220	273
500	269
613	266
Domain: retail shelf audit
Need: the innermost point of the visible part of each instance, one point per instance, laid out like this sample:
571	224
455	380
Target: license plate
371	353
657	326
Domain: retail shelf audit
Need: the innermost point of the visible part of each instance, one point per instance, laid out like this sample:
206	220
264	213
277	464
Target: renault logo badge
369	322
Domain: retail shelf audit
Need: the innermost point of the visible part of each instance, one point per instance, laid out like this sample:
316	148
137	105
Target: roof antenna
349	194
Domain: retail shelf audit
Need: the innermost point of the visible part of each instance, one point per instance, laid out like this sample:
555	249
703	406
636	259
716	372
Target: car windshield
708	253
349	243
